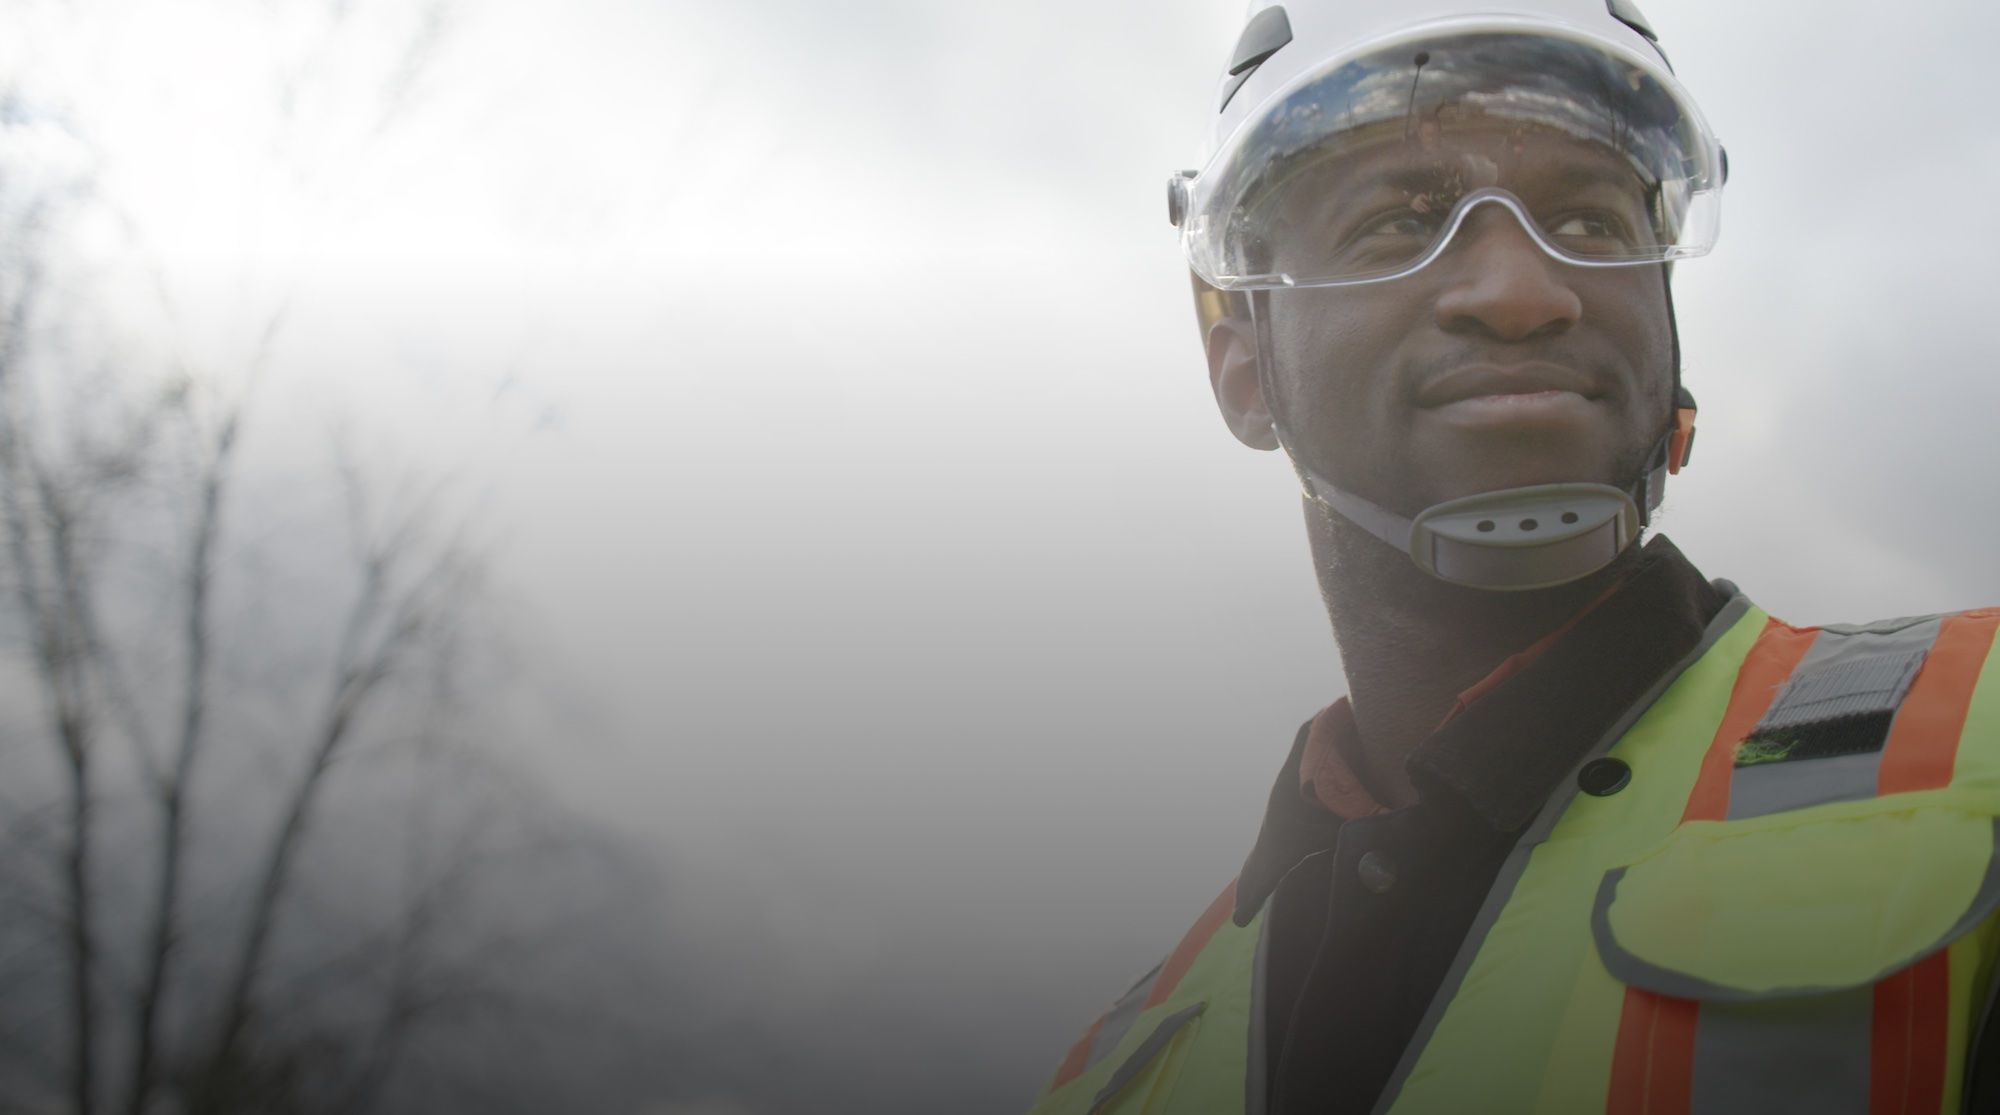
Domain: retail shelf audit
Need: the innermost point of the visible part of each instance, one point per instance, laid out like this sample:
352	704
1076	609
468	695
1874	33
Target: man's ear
1232	372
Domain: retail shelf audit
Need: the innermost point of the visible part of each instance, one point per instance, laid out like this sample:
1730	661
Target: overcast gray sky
827	373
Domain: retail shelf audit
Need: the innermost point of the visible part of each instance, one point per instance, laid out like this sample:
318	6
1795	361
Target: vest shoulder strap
1178	1041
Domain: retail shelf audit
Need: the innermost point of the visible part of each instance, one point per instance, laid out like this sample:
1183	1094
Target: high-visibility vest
1787	906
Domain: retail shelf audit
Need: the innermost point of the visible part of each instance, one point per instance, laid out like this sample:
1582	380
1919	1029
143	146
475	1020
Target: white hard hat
1310	78
1352	138
1281	42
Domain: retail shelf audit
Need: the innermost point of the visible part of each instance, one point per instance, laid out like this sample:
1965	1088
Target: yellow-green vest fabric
1788	907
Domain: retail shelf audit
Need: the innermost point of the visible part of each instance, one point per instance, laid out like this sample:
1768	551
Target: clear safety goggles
1364	169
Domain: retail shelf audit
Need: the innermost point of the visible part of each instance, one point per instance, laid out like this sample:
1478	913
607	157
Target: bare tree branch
51	587
173	790
175	972
382	625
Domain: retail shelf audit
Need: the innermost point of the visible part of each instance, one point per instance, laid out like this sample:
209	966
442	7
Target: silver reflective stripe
1848	672
1861	684
1777	787
1880	626
1118	1020
1517	860
1143	1056
1792	1056
1851	673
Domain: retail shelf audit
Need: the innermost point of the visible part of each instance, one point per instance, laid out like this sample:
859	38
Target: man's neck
1411	644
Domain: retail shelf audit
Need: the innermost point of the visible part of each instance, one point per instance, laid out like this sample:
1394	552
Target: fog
866	573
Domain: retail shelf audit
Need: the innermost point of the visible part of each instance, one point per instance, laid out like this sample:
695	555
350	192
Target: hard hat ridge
1266	31
1282	39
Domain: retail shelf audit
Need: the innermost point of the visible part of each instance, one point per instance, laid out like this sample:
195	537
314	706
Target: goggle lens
1365	170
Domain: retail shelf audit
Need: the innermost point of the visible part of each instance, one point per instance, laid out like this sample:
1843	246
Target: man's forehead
1471	153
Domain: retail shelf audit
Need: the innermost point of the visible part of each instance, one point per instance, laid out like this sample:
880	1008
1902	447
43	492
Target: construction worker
1590	832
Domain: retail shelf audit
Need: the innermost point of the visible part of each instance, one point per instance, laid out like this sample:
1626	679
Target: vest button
1377	871
1603	777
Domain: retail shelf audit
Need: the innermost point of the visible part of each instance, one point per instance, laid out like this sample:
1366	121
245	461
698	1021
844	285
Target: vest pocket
1799	904
1143	1082
1803	961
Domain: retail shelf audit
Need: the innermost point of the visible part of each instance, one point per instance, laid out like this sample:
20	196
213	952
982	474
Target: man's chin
1503	474
1513	441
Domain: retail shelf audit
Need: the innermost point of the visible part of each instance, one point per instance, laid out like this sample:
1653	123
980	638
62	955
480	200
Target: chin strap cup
1514	539
1533	537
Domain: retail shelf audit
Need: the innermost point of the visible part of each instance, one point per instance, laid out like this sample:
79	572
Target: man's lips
1477	381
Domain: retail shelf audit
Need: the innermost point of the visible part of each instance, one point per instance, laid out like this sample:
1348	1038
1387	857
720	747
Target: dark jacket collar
1495	763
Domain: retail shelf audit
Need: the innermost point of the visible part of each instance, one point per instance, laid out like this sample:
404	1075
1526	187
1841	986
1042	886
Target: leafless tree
49	513
119	493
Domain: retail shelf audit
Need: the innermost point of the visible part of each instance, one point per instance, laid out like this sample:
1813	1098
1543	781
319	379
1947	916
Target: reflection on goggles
1377	245
1365	170
1388	211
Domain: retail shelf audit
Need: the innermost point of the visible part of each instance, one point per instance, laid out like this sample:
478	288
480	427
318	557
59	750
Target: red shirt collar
1325	778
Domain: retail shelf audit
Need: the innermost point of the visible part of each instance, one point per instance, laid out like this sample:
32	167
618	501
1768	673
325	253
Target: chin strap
1522	538
1513	539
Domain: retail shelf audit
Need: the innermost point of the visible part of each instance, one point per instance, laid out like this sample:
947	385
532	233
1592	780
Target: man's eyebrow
1437	175
1325	192
1622	175
1408	178
1338	187
1437	179
1419	178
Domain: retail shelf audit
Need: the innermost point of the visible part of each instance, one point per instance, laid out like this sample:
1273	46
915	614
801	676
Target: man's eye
1595	227
1403	222
1387	239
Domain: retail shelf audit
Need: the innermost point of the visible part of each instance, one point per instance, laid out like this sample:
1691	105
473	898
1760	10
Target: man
1590	832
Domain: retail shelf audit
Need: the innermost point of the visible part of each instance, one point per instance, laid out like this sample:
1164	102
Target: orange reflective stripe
1771	660
1191	945
1652	1064
1930	1032
1079	1055
1653	1059
1907	1047
1889	1046
1085	1052
1923	740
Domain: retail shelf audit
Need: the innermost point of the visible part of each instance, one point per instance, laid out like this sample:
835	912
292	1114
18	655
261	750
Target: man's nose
1501	284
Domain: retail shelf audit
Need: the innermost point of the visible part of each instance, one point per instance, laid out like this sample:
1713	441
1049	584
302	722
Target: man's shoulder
1883	685
1165	991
